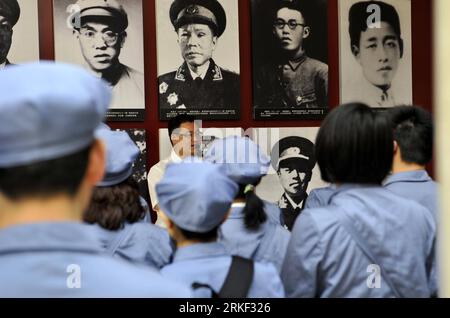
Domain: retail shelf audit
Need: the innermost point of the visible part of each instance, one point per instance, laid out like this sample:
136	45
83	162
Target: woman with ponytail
252	229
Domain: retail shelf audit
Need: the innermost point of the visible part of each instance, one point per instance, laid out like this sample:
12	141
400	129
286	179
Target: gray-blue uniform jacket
44	260
268	244
324	260
319	197
142	243
417	186
208	263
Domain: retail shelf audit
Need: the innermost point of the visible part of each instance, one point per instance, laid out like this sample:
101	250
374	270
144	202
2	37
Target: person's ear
96	163
396	147
306	32
123	37
355	51
214	41
76	34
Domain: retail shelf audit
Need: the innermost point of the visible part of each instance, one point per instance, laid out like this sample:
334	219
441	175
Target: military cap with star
208	12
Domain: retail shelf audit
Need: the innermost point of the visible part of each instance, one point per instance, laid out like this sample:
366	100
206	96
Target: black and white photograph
198	58
290	59
19	32
140	165
293	172
106	37
375	52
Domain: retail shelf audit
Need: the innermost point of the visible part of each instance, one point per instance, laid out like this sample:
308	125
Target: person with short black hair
50	160
413	150
377	48
295	80
365	228
195	198
184	138
118	213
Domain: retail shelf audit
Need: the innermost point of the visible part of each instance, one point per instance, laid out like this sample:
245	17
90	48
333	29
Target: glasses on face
109	37
292	24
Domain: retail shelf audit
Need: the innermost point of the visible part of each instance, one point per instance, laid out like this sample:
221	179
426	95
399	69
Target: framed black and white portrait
19	28
290	59
293	172
106	37
375	52
198	59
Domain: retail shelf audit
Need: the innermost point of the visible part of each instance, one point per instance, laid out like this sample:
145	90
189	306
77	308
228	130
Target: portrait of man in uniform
19	38
291	82
293	159
99	28
378	43
199	86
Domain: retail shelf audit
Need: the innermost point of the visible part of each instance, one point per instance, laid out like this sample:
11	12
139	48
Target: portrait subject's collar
293	204
113	74
213	72
202	74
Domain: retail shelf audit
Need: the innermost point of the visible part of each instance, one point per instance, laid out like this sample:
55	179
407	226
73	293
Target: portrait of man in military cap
293	172
19	38
290	77
198	84
99	31
375	51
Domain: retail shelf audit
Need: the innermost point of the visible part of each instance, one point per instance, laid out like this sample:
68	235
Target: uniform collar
292	203
203	74
236	210
214	72
347	187
200	250
64	236
408	176
376	97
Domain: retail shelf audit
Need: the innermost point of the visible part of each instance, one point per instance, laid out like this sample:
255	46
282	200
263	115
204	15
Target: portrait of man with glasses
291	82
99	27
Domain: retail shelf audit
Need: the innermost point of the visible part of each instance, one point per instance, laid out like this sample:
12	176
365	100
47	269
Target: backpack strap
238	280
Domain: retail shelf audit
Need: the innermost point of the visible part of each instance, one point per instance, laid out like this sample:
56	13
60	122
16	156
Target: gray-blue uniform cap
121	153
243	160
48	111
196	196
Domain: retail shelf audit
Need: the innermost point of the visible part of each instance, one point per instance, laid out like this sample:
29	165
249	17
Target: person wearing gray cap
49	162
100	27
9	15
116	210
250	230
199	83
293	158
195	198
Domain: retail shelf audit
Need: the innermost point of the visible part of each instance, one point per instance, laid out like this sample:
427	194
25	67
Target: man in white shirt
181	134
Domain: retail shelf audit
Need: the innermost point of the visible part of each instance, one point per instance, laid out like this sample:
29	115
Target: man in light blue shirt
413	150
49	163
